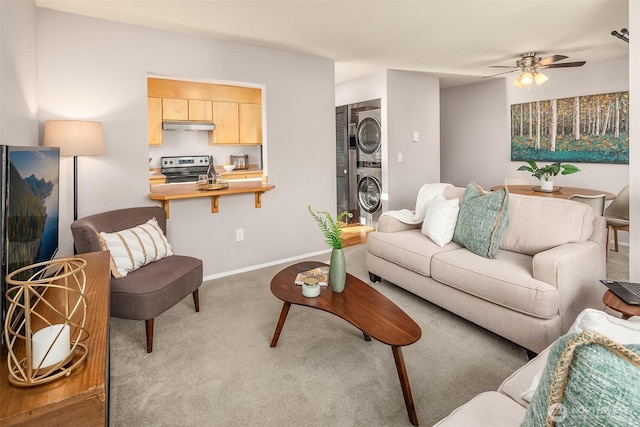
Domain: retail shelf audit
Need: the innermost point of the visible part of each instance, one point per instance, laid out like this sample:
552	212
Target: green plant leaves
330	227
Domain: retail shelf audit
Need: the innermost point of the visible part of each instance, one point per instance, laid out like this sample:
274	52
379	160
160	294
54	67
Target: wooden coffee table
362	306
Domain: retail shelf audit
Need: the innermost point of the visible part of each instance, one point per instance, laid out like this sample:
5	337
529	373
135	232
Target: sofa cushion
506	280
601	387
409	249
530	231
490	409
134	247
619	330
440	220
482	220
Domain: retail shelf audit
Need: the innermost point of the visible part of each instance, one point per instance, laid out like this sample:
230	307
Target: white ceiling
456	40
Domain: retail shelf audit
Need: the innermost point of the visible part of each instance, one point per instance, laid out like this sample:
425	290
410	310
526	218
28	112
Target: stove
183	168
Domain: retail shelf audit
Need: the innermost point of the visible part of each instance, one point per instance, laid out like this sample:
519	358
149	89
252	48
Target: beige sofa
508	405
551	256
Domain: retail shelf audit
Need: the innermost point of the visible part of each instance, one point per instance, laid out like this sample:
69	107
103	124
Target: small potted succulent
332	230
544	173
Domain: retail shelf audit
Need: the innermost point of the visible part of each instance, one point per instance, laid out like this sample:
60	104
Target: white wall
476	124
475	142
97	70
409	102
413	104
18	73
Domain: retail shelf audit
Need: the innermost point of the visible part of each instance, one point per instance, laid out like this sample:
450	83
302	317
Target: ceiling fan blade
502	66
565	64
551	59
499	74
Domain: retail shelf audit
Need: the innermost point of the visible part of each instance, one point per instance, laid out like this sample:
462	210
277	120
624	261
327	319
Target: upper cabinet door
200	111
155	120
250	121
175	109
225	116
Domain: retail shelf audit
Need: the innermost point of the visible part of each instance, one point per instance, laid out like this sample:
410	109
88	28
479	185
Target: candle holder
45	321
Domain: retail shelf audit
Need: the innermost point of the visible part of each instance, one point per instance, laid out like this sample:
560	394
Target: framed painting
586	129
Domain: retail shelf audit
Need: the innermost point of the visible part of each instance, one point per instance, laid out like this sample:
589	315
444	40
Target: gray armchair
150	290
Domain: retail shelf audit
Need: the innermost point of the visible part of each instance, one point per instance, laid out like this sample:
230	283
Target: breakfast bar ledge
167	192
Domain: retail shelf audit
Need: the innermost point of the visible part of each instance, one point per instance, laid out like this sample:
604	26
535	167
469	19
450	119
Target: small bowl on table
229	168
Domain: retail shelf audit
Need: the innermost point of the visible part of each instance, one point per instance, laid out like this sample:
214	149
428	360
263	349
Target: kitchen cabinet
186	110
248	174
225	116
236	123
154	106
235	110
250	123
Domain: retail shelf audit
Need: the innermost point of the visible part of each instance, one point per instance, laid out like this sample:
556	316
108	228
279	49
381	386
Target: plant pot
337	270
310	288
546	185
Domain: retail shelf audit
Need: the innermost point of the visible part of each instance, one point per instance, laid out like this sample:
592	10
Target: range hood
190	126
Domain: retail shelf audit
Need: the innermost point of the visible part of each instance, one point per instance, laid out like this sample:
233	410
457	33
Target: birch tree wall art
587	129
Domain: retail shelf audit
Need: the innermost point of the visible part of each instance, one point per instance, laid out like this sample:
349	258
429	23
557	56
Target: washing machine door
369	192
369	135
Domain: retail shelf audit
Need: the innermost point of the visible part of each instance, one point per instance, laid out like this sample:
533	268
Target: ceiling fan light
526	78
540	78
517	82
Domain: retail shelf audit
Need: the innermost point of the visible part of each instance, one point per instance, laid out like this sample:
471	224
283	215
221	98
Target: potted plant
332	230
544	173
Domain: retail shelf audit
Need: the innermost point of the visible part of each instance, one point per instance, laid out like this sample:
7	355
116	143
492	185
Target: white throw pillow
134	247
616	329
440	220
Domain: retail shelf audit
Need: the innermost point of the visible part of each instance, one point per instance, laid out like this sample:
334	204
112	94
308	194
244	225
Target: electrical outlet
239	234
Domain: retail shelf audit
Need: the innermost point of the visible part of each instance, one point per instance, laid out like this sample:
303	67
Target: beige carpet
215	368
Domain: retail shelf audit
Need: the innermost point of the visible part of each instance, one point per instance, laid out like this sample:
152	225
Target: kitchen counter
167	192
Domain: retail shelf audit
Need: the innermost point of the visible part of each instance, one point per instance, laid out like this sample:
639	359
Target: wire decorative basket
206	186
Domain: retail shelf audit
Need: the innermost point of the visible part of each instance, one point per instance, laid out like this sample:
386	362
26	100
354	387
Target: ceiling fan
529	64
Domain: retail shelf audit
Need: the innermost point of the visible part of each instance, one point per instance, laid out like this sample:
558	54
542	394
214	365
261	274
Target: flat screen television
29	196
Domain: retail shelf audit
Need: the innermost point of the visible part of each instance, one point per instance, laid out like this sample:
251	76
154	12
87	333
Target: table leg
366	336
283	317
404	383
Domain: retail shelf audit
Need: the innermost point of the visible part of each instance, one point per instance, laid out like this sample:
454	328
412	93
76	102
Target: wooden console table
82	398
167	192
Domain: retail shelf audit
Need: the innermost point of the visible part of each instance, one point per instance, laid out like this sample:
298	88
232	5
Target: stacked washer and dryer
369	166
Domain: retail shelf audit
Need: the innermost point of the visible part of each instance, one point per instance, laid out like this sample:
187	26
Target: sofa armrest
389	224
574	269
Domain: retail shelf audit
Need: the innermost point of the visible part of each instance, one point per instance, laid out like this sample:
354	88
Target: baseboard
268	264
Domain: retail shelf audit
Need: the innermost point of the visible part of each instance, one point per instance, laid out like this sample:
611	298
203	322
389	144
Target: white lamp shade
517	82
540	78
74	137
526	78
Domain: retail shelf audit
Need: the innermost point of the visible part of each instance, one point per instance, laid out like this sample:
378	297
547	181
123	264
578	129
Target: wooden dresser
82	398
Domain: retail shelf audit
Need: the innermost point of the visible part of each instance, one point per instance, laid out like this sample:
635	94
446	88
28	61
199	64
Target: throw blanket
427	193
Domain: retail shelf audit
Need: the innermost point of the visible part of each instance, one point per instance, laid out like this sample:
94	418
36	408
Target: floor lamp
74	138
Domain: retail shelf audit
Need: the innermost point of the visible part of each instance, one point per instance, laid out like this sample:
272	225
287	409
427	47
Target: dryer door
369	192
369	135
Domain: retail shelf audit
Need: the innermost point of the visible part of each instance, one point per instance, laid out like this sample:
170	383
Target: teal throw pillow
482	220
602	387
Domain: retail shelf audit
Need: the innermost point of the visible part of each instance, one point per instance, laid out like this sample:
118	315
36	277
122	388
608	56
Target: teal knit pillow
482	220
602	388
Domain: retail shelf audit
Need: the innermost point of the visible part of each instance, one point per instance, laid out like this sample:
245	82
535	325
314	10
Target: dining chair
617	215
596	202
